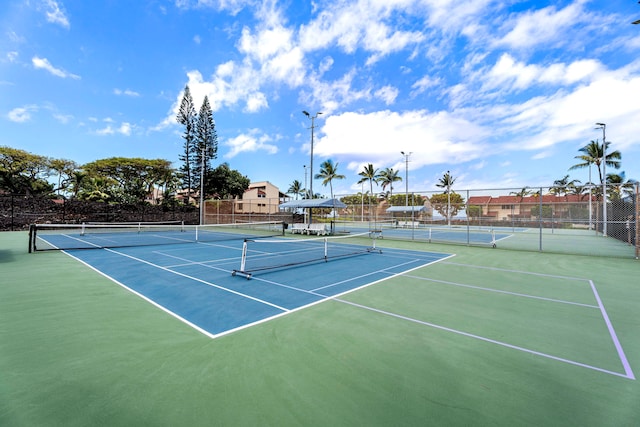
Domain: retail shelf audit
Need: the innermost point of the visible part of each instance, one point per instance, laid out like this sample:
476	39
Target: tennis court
382	332
409	230
198	284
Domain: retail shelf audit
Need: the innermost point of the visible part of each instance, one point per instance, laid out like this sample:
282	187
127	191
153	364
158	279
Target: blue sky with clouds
500	93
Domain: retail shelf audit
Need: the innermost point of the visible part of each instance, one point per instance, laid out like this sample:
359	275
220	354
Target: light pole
305	190
406	176
603	126
362	201
305	182
449	199
590	197
311	163
202	187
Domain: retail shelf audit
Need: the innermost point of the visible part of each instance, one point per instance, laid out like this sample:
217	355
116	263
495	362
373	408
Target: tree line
449	203
131	180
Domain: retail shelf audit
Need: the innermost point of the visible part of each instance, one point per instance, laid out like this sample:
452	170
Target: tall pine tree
206	147
187	117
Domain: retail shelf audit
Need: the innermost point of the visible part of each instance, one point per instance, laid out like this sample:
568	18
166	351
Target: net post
243	260
326	249
32	230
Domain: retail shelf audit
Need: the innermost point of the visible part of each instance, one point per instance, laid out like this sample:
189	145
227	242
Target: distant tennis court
413	230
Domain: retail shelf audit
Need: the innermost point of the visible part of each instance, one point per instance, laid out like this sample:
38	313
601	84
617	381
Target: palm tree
522	193
77	180
369	174
329	172
592	154
563	185
295	188
447	182
387	178
620	186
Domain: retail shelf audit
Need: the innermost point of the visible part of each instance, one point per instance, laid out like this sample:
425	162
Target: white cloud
546	25
105	131
256	102
253	141
379	137
44	64
364	24
12	56
124	129
508	74
126	92
55	14
15	38
63	118
22	114
425	83
388	94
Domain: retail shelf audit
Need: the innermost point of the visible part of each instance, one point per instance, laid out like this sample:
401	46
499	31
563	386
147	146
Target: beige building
503	208
260	197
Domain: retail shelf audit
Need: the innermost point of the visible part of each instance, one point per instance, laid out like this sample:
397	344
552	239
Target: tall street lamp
406	176
311	163
202	207
304	195
449	199
603	126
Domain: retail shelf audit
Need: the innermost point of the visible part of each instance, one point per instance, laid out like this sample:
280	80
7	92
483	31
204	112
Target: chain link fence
531	219
17	212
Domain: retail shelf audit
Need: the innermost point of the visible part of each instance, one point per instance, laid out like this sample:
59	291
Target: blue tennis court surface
194	281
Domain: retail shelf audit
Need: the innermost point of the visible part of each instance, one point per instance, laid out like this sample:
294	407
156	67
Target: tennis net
44	237
264	254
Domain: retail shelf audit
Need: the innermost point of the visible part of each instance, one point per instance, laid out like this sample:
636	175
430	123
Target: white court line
623	359
506	270
462	285
612	332
503	344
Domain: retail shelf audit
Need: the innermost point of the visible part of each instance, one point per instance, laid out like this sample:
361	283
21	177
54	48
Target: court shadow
6	255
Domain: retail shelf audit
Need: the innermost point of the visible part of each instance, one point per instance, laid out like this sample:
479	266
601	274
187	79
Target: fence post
12	211
541	220
637	218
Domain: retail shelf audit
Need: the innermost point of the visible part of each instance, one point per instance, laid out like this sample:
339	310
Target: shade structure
406	209
313	203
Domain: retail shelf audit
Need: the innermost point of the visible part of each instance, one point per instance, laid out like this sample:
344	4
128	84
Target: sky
502	94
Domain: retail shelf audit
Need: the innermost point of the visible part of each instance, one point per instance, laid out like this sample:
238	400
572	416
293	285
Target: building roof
514	200
313	203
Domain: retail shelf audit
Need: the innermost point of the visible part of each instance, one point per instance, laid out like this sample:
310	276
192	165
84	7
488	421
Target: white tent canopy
313	203
406	209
